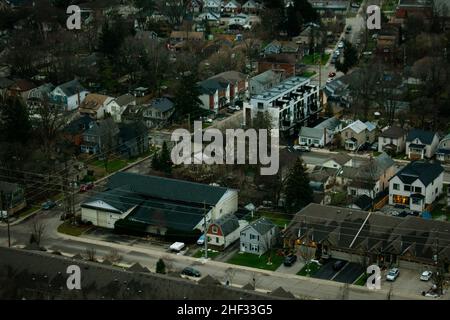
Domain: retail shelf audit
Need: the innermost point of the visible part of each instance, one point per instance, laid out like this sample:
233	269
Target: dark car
338	265
191	272
289	260
49	204
87	186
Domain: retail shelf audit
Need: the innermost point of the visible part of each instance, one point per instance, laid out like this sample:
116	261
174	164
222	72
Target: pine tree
160	266
164	159
186	99
350	58
297	189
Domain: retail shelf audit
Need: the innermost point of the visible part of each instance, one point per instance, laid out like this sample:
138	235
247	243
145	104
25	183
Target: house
251	7
338	161
133	139
238	83
281	61
231	6
239	21
422	9
388	41
157	112
417	185
116	107
100	136
180	36
291	103
95	105
371	237
358	133
363	202
20	88
170	208
195	6
258	237
212	6
273	47
310	33
140	92
392	140
212	18
264	81
321	178
13	196
337	93
337	7
37	96
443	149
73	132
320	135
370	178
421	144
69	95
224	231
214	93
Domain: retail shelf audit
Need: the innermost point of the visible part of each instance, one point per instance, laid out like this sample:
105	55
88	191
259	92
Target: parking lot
347	274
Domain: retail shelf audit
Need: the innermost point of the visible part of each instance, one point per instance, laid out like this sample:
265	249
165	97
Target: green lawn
362	280
313	59
313	268
389	5
255	261
211	253
25	212
440	210
113	165
279	218
308	74
68	228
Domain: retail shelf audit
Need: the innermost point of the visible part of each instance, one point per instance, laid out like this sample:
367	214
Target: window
260	105
217	239
254	247
252	237
418	189
396	186
214	229
407	188
416	201
400	199
436	191
243	234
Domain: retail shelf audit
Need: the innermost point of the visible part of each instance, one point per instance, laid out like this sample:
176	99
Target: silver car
426	275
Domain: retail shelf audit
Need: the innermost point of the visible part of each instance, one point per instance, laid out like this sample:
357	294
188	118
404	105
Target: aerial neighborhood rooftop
355	122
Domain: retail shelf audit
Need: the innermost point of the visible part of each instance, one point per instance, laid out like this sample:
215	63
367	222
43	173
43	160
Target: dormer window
215	229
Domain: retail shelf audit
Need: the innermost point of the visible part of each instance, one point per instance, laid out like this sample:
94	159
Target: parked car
332	74
191	272
302	148
201	240
392	274
49	204
86	186
374	146
426	275
289	260
338	265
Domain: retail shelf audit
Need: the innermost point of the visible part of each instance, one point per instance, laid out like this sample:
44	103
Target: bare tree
345	290
91	254
230	273
113	256
37	231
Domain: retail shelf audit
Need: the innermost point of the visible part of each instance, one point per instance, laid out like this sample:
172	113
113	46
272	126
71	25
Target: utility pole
4	209
205	231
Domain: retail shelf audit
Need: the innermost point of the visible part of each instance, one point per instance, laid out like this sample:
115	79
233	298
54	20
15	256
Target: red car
86	187
332	74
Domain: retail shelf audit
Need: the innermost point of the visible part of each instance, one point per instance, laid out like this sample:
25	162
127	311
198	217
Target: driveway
349	273
326	272
294	269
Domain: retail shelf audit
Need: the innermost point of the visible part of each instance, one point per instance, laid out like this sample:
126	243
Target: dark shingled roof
426	172
169	189
162	104
228	223
363	202
424	136
71	88
262	225
121	199
393	132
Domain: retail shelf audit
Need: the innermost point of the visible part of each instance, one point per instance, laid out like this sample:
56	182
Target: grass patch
309	269
362	280
27	211
376	153
308	74
211	253
389	5
255	261
279	218
72	230
440	210
314	58
113	165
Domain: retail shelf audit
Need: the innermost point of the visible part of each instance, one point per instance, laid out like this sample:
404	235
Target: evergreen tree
186	97
293	23
350	58
16	126
161	161
160	266
297	190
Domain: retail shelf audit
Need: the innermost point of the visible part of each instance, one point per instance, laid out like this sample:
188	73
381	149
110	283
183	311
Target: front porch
416	151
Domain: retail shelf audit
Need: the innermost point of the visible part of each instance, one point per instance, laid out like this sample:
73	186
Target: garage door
102	218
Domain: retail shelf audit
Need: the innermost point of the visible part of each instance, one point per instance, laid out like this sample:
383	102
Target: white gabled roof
358	126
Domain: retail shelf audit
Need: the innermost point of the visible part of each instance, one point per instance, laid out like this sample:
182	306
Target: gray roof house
258	237
264	81
225	230
421	144
100	136
157	112
322	134
443	150
69	95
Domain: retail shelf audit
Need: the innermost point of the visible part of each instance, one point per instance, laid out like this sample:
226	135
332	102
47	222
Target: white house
231	6
338	161
117	106
214	93
69	95
443	150
212	6
320	135
239	20
417	185
392	140
258	237
358	133
421	144
95	105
